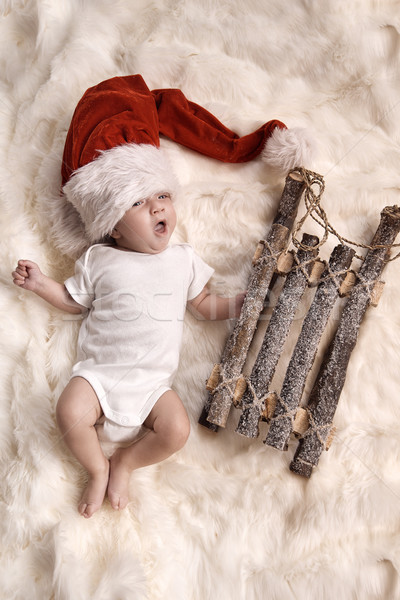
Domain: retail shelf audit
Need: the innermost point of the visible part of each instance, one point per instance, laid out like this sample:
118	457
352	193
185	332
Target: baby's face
147	226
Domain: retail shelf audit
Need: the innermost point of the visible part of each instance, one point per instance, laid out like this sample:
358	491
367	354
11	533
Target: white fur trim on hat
104	189
67	229
289	148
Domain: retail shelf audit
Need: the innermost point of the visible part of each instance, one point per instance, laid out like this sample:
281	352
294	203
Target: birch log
306	347
234	356
330	380
253	401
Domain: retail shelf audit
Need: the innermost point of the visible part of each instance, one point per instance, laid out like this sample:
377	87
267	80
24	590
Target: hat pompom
105	188
289	148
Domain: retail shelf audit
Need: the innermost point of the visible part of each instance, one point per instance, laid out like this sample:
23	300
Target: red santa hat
112	155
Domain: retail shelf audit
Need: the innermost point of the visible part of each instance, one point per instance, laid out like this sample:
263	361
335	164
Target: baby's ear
115	234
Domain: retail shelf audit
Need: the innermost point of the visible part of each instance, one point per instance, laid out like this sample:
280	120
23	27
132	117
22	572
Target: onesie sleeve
79	285
200	275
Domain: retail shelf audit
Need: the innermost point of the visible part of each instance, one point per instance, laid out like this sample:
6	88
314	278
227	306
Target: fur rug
224	518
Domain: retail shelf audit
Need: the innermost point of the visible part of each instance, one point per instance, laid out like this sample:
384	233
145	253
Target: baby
133	293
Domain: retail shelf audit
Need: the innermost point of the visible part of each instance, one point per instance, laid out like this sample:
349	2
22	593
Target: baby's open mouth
160	227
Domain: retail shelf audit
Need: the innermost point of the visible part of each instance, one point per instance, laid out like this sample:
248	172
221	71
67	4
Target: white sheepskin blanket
224	518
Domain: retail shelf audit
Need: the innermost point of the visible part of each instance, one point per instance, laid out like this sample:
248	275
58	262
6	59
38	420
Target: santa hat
112	155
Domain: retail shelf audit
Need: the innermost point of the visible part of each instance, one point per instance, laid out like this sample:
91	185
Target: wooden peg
285	263
330	437
240	389
316	272
300	423
258	252
376	293
213	380
347	284
270	404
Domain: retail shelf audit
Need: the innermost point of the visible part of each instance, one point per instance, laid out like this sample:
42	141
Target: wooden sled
303	270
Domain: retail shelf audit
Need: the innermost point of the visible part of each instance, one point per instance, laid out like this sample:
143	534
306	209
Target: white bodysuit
129	341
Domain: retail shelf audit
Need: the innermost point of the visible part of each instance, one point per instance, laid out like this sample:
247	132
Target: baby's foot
94	493
118	486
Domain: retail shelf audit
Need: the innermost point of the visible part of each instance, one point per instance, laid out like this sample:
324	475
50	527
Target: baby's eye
138	203
163	196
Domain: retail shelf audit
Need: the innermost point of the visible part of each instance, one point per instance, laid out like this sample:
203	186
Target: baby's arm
28	276
214	308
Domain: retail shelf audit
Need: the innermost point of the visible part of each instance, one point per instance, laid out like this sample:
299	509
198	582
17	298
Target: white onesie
129	341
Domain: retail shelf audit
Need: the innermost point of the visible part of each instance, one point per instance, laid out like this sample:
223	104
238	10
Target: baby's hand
27	275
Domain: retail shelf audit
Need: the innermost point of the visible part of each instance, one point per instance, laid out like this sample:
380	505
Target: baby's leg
169	429
78	409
